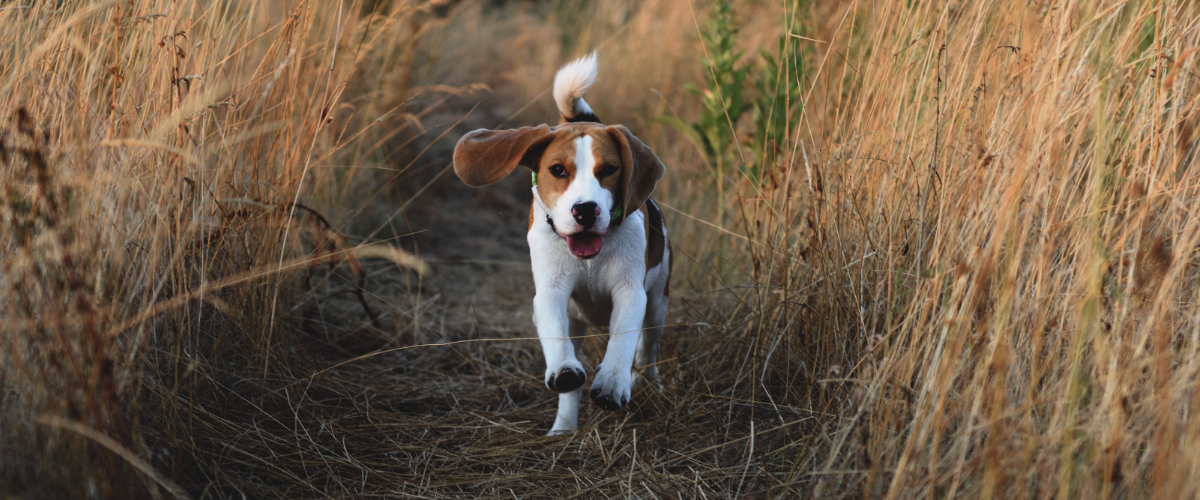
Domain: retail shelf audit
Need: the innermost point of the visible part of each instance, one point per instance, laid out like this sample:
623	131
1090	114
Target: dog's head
588	176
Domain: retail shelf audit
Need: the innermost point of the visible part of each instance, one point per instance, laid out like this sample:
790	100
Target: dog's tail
571	82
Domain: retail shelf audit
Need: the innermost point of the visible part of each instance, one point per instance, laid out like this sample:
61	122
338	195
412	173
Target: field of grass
923	249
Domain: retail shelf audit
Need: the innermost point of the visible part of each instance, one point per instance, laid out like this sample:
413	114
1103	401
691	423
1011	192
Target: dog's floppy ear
642	169
485	156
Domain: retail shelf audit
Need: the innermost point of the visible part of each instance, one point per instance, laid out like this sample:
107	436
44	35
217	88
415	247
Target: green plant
776	108
722	105
774	103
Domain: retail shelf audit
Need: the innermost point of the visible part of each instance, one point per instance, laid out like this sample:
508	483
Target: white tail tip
571	82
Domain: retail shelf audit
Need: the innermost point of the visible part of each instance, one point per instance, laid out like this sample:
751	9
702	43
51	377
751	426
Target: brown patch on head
560	152
623	164
610	166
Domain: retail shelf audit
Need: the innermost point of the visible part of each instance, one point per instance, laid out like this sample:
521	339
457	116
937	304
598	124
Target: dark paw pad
566	380
606	401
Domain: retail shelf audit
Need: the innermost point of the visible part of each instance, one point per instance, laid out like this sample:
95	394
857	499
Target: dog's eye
606	171
558	171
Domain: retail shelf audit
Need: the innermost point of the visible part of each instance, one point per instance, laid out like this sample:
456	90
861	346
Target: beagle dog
597	242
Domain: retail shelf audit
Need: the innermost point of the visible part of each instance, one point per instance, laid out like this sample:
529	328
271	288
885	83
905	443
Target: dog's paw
611	391
566	377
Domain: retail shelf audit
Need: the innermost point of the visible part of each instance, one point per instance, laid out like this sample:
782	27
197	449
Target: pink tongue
584	244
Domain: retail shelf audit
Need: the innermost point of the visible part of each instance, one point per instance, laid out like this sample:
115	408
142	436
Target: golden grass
1017	204
153	157
968	274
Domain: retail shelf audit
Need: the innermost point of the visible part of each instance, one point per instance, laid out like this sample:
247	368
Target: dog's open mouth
584	245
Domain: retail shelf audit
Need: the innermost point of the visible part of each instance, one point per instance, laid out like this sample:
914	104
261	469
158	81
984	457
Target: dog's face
589	176
579	182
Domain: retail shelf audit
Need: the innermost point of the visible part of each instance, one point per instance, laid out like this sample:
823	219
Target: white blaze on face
584	188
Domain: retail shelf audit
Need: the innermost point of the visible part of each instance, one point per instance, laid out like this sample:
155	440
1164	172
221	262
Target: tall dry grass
968	272
982	249
153	244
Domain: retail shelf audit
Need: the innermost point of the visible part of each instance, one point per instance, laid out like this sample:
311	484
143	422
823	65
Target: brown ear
485	156
642	169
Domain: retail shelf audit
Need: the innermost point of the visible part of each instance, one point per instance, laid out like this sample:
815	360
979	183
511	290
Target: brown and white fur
597	241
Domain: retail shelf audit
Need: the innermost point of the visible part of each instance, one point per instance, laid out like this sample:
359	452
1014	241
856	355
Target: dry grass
969	272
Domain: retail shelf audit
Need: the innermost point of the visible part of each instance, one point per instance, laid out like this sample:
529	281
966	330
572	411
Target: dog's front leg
612	386
564	372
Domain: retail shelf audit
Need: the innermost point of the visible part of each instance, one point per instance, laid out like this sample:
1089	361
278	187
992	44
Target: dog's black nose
586	214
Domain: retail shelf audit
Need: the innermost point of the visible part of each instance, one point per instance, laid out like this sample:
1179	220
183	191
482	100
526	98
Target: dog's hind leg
647	352
567	419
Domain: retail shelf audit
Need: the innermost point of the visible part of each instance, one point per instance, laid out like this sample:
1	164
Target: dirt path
475	240
455	405
470	417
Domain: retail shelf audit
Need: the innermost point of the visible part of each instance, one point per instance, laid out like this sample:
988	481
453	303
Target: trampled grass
966	272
